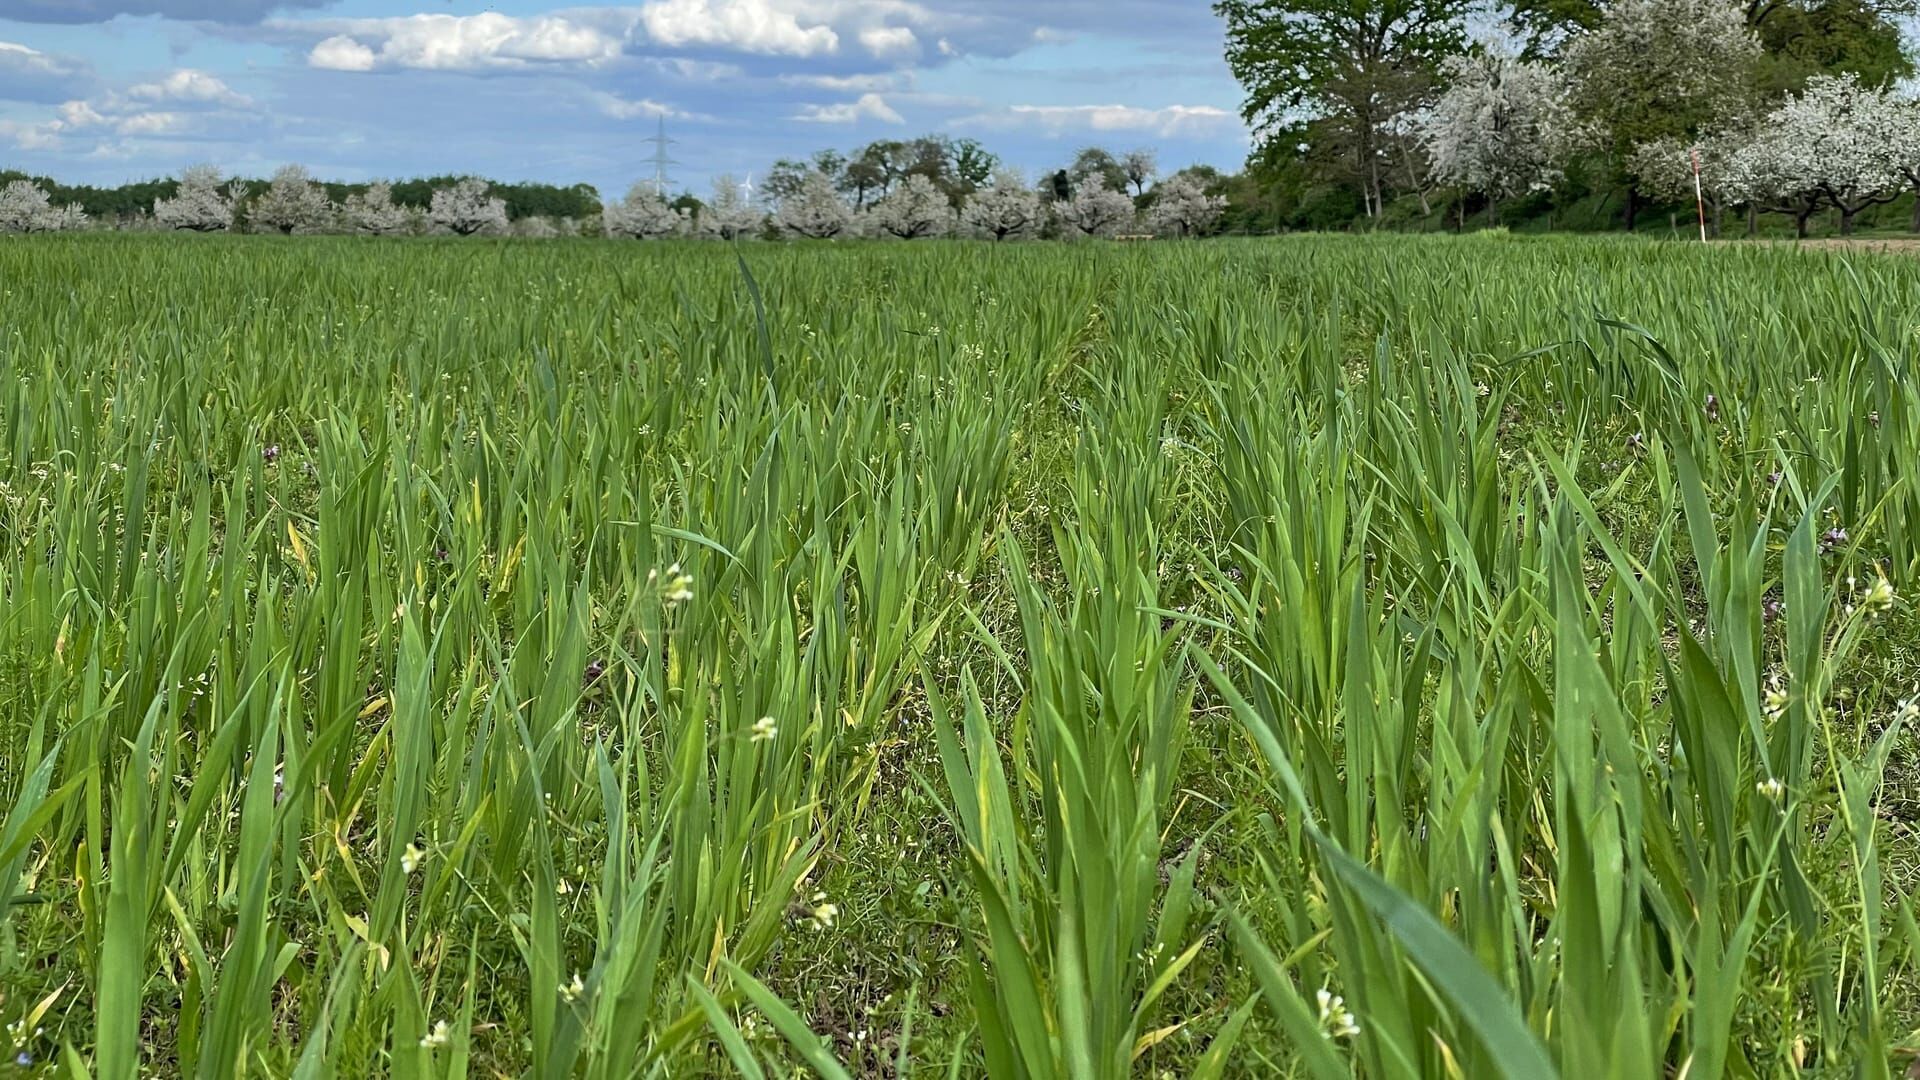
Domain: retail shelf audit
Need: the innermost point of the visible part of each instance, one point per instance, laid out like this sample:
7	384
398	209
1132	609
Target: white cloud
192	95
186	84
151	123
619	108
886	41
23	58
436	42
694	70
27	74
341	53
852	84
1170	121
754	26
870	106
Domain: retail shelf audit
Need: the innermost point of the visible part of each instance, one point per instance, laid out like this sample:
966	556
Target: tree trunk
1633	205
1846	220
1914	226
1753	221
1800	217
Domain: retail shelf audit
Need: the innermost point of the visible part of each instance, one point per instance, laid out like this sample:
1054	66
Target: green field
489	659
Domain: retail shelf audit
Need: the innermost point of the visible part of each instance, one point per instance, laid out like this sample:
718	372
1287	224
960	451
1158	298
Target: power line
661	159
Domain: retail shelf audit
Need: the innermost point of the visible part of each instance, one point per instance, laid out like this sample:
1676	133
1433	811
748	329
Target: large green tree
1356	67
1802	38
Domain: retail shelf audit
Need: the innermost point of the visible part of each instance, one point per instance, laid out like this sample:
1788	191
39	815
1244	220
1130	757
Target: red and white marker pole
1699	197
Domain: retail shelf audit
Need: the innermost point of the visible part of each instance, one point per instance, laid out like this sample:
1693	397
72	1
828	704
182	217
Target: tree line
1386	112
905	189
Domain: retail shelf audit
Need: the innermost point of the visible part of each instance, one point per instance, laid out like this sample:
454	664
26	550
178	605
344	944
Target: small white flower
437	1037
1776	701
676	586
1880	595
573	991
823	913
764	730
1772	788
1336	1021
412	859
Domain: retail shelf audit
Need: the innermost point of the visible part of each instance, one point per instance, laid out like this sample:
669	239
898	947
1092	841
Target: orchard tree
1665	167
1503	126
728	215
468	208
1007	209
1654	69
1097	211
1349	68
1829	143
914	209
292	203
1140	167
1897	120
1182	207
1095	166
373	212
25	207
814	209
538	227
1801	38
643	215
198	204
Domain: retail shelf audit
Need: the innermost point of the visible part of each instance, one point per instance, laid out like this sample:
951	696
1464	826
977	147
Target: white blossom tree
1898	120
198	204
643	215
292	203
913	209
1182	207
815	210
537	227
1140	167
1007	209
468	208
1826	144
1662	68
1096	210
26	207
1503	127
729	214
1665	169
374	212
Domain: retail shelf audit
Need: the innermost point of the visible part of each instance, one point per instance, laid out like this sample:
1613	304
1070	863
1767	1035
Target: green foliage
1323	656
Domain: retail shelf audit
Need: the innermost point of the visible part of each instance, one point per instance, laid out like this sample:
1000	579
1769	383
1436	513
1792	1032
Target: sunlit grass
1402	657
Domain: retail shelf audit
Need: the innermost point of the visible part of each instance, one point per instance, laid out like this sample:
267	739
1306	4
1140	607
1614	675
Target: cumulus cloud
174	104
868	107
342	53
28	74
1168	122
872	82
754	26
435	42
619	108
889	41
90	11
188	84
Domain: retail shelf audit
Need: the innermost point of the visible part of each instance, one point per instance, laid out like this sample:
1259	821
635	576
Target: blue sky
105	91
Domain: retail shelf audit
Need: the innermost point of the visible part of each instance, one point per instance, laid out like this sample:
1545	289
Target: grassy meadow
1319	657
